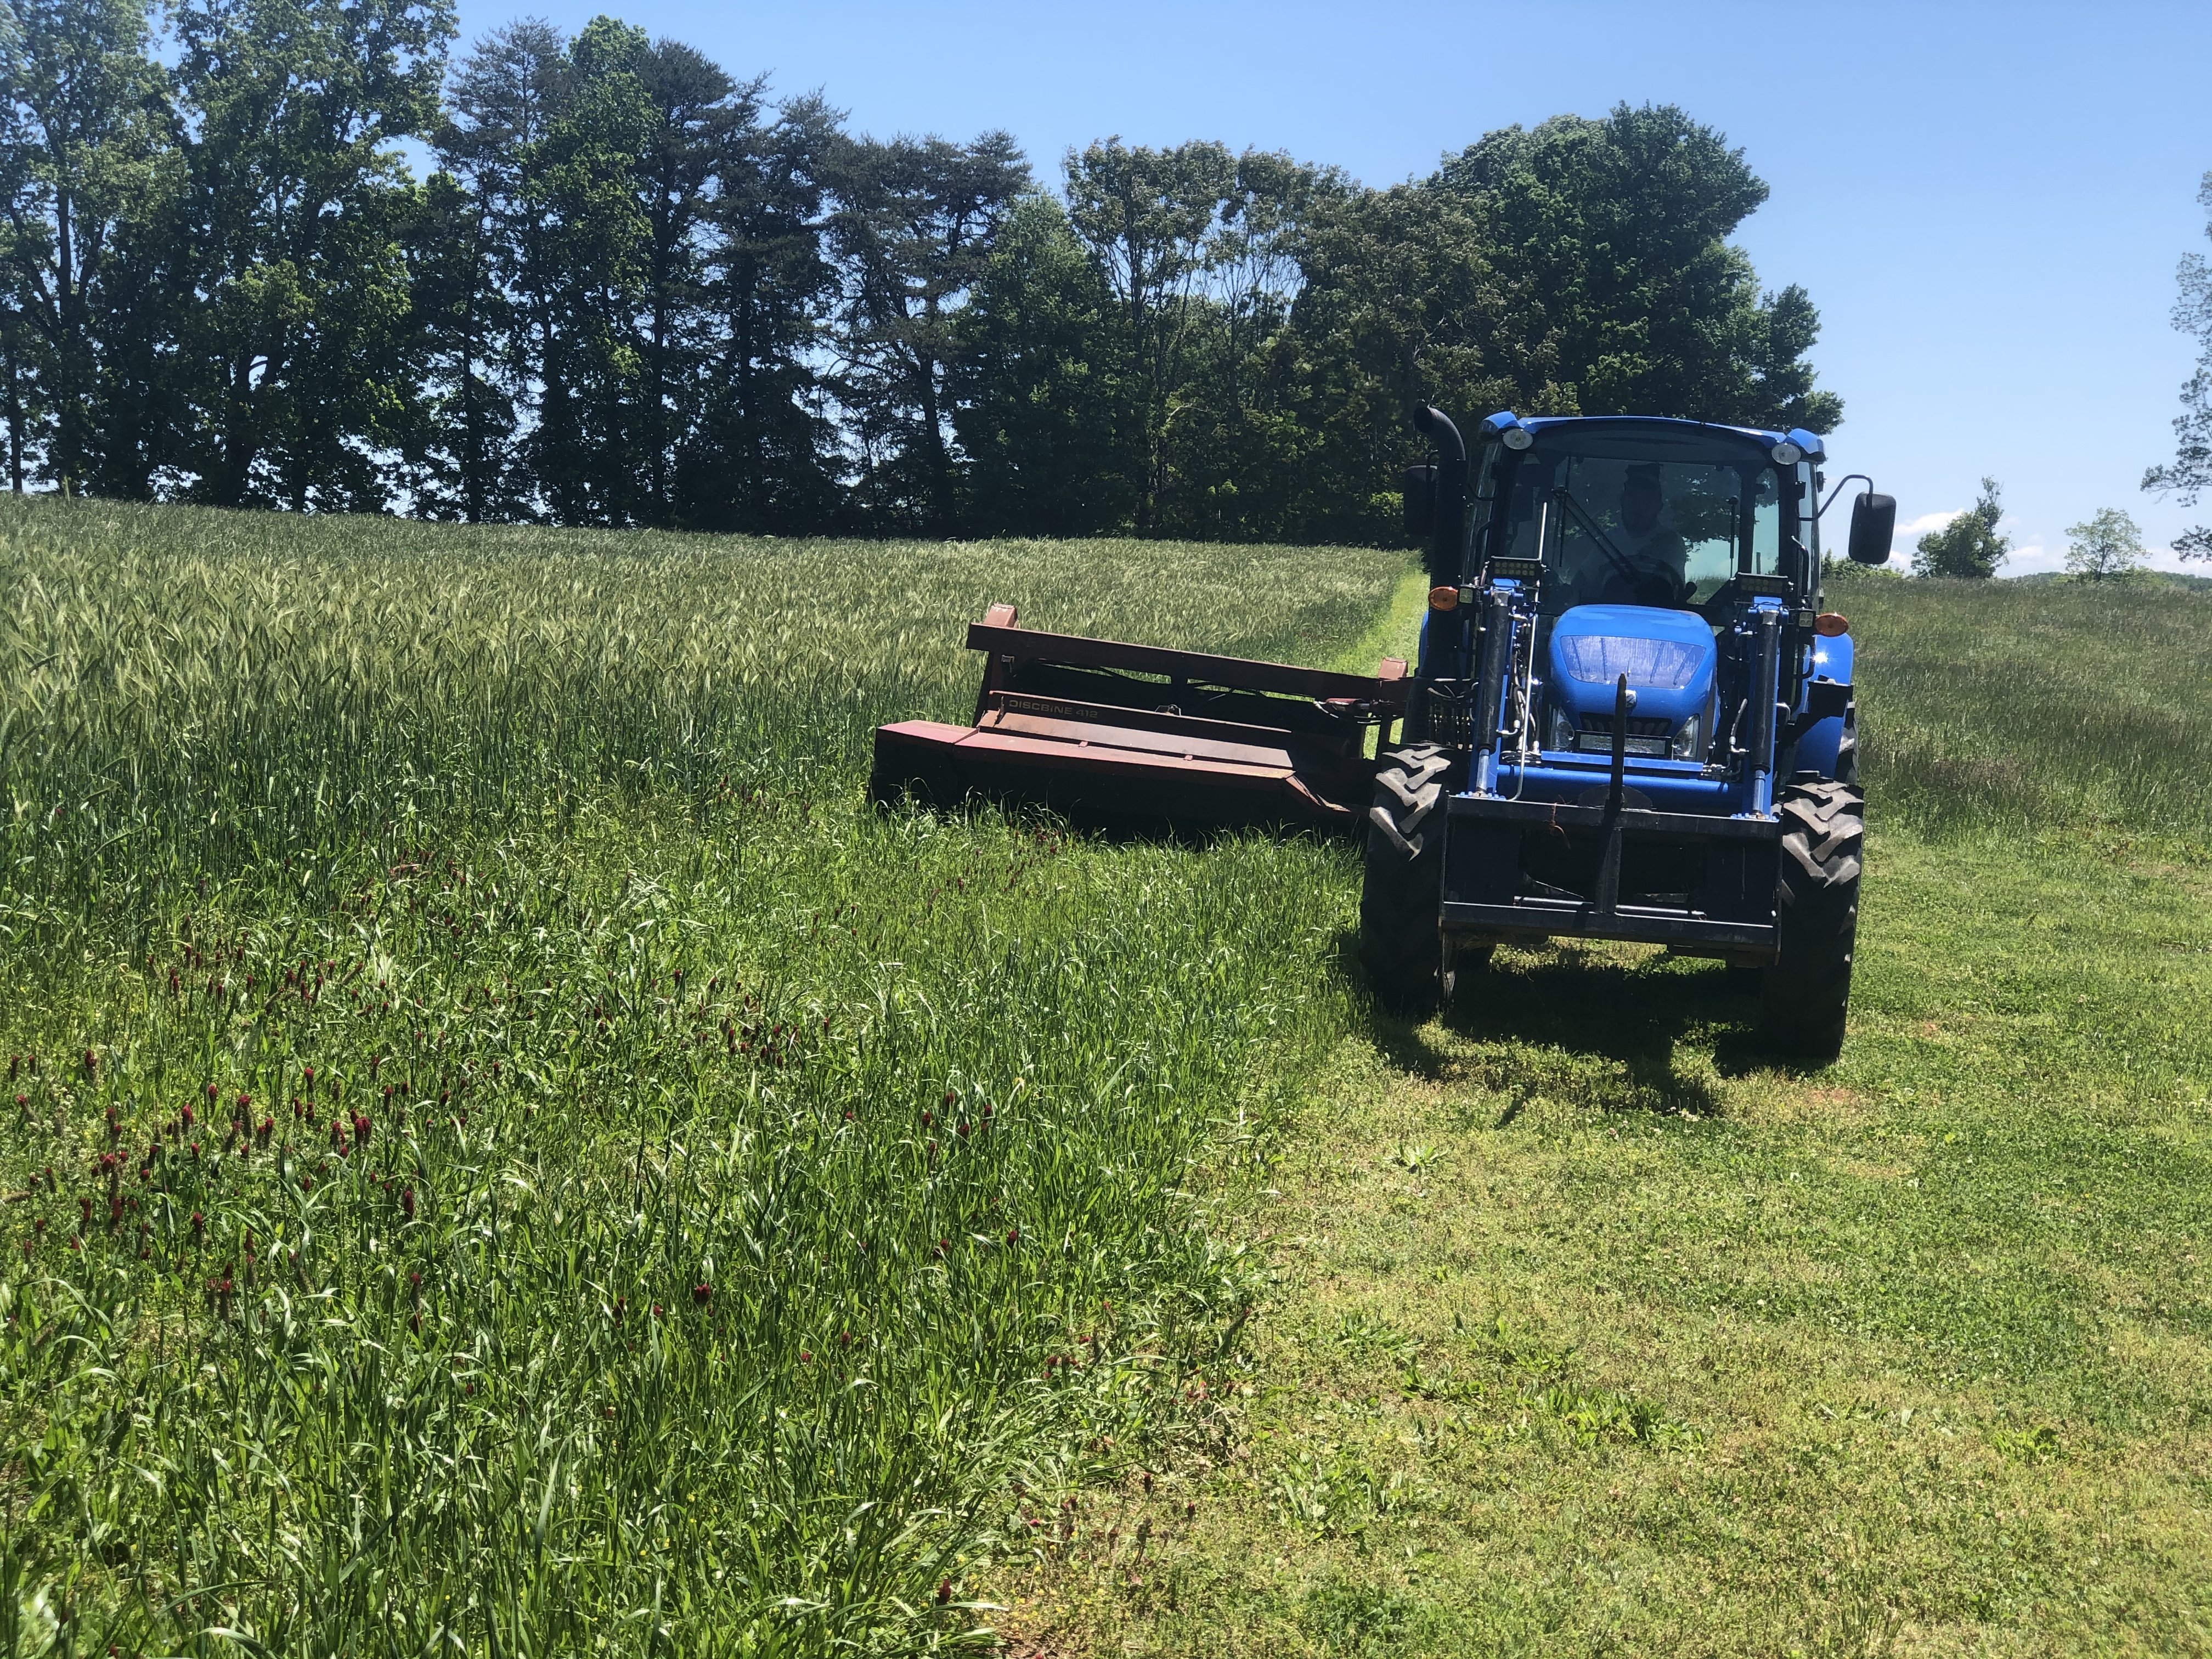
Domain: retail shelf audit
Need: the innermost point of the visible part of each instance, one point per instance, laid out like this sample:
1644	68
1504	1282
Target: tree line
632	288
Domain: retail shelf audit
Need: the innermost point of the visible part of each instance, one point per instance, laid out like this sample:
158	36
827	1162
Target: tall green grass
2028	704
191	693
509	1155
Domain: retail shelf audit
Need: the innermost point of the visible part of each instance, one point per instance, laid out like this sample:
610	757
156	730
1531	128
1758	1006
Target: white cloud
1927	521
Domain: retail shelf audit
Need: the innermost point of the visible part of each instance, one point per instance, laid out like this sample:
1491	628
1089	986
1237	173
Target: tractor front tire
1816	903
1401	942
1847	750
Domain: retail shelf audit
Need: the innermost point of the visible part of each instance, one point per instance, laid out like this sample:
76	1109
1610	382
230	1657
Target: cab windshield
1620	524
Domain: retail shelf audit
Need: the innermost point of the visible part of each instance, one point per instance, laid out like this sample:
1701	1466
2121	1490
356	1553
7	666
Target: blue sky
1987	203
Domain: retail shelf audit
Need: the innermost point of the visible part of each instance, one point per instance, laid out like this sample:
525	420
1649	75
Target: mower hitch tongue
1138	735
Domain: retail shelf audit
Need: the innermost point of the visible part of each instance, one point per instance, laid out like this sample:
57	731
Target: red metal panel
1107	776
1037	737
1239	672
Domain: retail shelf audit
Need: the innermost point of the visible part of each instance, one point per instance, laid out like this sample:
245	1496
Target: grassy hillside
2044	704
200	692
1594	1330
506	1150
509	1152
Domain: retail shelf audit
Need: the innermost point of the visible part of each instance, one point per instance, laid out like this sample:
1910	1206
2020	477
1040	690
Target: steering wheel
1636	585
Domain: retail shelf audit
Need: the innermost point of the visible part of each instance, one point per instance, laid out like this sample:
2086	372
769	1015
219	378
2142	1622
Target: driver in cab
1647	562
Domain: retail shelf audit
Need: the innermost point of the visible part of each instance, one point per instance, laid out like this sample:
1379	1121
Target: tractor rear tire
1816	903
1401	942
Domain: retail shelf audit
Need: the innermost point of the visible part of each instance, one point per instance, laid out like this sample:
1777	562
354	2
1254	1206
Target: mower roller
1119	734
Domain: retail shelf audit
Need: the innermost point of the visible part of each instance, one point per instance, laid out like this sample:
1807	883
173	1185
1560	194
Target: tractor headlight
1689	742
1559	730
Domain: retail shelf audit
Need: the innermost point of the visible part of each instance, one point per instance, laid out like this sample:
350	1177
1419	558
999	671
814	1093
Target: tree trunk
471	418
68	435
14	415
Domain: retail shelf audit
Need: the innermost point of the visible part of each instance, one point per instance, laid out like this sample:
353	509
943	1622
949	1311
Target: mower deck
1112	732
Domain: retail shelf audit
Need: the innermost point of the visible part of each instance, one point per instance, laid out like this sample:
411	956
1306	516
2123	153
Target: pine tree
482	321
761	454
914	229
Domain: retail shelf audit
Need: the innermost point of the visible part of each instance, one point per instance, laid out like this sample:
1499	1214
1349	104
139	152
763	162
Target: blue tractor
1631	718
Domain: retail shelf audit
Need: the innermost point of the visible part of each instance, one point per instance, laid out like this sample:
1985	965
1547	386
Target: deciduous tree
1969	546
291	355
88	183
1150	218
2103	547
2190	472
1612	285
1036	382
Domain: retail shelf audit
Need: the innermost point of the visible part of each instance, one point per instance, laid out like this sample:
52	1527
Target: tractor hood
1667	655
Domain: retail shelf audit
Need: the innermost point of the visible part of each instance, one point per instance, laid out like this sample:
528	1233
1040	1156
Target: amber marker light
1828	624
1443	599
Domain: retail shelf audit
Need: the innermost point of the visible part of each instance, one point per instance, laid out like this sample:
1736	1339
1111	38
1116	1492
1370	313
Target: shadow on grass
1582	1029
1039	808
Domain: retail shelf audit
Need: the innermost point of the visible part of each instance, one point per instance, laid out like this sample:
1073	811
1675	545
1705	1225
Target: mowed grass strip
1595	1329
506	1153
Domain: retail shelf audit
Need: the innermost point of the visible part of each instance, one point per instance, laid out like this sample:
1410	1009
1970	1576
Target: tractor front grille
1653	738
1636	727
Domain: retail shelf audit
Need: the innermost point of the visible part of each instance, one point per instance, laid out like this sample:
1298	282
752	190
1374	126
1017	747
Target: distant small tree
2106	545
1969	546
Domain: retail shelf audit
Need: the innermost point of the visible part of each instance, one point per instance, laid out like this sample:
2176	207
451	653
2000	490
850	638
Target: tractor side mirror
1420	502
1873	526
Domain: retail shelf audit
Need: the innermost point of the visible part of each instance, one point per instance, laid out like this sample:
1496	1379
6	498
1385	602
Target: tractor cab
1635	512
1631	715
1633	558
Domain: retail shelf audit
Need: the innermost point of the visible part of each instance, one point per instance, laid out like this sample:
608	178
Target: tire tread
1807	993
1401	945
